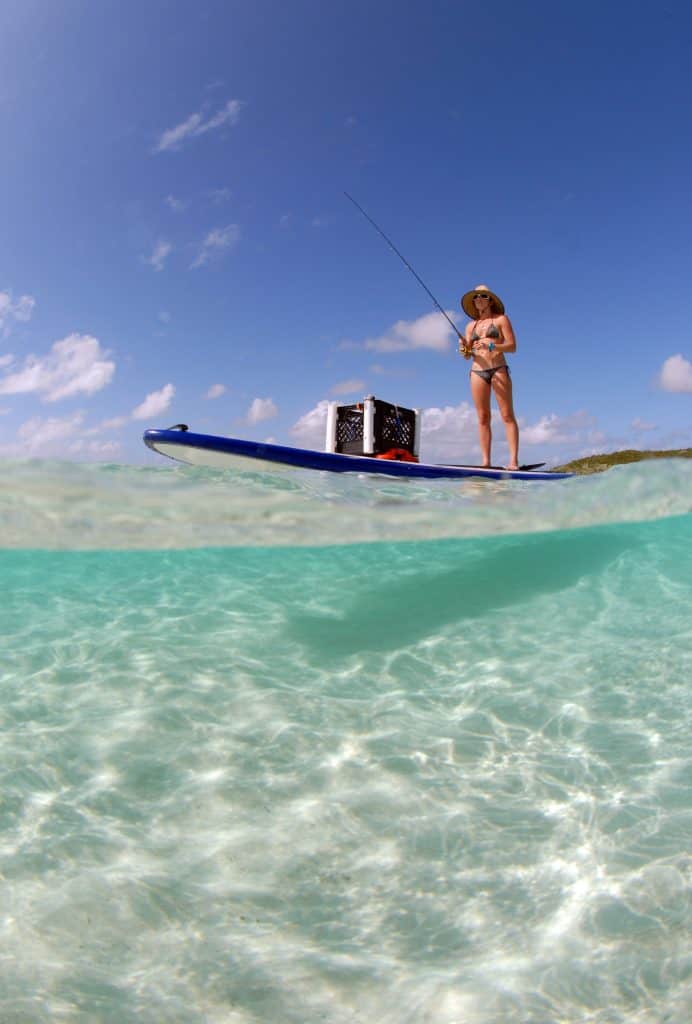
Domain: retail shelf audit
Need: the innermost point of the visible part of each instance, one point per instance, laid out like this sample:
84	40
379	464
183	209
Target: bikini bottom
488	375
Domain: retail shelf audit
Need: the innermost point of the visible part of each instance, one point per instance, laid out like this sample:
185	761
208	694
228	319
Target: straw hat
469	308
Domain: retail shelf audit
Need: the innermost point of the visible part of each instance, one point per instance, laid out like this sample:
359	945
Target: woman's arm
466	346
507	342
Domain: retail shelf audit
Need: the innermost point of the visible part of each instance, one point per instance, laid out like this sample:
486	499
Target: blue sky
176	244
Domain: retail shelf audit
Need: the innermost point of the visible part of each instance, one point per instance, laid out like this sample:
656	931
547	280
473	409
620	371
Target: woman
487	340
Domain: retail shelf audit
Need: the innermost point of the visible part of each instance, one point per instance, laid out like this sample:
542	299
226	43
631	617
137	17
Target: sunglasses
481	295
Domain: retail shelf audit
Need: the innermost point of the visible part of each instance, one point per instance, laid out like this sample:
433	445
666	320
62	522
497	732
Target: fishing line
406	263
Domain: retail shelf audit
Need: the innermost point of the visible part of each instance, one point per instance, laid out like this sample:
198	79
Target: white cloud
427	332
56	436
95	449
196	125
41	436
155	403
545	431
216	243
639	424
162	251
102	448
176	205
6	360
349	387
219	195
23	308
261	409
448	433
553	429
10	310
75	365
216	390
676	374
310	429
115	423
227	115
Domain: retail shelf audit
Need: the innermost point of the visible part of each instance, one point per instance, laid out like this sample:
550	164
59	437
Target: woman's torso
487	330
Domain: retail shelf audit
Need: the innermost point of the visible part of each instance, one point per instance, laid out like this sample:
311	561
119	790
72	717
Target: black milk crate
349	429
393	427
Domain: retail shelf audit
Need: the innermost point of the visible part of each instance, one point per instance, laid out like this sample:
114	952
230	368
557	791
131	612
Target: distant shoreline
599	463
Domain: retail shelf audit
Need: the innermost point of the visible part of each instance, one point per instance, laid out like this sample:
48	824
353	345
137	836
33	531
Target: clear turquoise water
296	749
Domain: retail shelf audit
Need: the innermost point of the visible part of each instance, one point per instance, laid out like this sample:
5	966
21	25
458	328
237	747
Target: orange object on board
398	455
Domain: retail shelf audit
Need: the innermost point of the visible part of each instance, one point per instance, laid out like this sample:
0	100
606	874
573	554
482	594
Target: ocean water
293	748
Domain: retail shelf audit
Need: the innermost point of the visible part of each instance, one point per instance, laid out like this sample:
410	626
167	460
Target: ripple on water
58	506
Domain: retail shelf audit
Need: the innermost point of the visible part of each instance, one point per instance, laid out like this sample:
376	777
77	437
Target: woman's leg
480	393
502	386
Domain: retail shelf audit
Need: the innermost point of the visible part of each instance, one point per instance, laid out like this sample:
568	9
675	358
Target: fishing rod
406	263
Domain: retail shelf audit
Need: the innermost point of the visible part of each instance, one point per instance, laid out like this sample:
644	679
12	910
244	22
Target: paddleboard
235	453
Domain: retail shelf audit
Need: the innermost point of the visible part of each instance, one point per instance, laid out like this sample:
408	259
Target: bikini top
492	332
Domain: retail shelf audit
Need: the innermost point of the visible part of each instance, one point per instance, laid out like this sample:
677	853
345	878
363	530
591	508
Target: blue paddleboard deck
235	453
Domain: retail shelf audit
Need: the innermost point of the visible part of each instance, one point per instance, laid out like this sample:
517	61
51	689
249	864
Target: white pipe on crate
369	425
330	438
416	436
